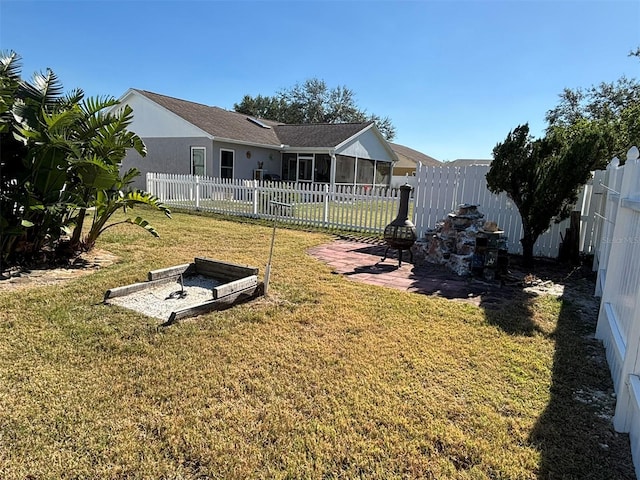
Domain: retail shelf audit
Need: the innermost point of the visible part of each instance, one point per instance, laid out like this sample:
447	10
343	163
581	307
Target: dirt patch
84	264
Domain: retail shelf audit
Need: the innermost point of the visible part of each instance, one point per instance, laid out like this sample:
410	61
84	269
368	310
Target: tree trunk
527	249
77	232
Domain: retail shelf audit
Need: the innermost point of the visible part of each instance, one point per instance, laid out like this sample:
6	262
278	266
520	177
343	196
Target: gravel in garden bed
158	301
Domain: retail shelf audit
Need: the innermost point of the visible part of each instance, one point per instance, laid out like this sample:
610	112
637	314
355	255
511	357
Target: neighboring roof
318	134
237	126
465	162
217	121
409	158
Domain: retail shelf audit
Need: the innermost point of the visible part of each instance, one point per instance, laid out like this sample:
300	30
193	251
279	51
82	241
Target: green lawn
327	378
371	216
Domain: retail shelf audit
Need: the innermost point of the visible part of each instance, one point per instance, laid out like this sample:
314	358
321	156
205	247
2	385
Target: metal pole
267	270
2	276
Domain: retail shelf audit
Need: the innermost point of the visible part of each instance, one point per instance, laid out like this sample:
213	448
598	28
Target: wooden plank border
224	270
234	286
222	303
136	287
184	269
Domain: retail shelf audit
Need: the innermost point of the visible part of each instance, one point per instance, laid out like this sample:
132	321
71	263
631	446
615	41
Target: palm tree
68	152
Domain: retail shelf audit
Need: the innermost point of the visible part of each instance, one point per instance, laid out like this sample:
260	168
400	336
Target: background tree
613	108
312	102
542	177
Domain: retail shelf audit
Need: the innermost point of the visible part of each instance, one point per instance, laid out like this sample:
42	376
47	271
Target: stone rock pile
453	241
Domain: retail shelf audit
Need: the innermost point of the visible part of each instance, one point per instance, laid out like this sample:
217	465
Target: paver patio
362	262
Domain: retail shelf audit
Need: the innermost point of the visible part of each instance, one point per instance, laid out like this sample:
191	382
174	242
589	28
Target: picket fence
618	283
438	191
346	207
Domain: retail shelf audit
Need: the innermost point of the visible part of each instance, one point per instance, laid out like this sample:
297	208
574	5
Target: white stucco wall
152	120
244	166
368	145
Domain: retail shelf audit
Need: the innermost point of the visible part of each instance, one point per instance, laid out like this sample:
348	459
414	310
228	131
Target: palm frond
141	222
71	98
44	90
60	121
10	65
93	105
145	198
95	174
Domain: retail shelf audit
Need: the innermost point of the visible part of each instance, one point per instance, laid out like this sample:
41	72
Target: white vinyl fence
398	180
619	285
437	192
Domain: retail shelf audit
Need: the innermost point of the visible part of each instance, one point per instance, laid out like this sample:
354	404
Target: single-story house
467	162
184	137
408	160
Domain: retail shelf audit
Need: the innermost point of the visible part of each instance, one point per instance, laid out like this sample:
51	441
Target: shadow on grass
514	315
574	434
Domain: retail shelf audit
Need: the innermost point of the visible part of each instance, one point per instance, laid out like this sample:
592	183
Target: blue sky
454	76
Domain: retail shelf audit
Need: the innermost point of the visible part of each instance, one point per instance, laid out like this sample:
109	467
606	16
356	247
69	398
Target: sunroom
335	169
338	154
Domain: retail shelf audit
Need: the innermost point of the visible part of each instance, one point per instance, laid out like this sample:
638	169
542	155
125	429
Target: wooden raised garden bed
188	290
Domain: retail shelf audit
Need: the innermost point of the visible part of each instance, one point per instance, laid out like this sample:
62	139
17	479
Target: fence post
197	185
255	197
619	275
325	218
149	189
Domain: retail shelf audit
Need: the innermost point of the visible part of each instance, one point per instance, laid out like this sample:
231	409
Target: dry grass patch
327	379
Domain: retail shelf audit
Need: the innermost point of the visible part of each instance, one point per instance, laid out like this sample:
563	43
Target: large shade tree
60	156
312	102
542	177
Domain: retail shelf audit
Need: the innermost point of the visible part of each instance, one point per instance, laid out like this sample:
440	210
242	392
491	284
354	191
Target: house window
226	163
198	156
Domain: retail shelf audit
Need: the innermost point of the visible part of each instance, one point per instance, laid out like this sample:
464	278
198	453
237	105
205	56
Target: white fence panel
441	189
619	280
611	185
435	195
590	202
359	208
398	180
438	191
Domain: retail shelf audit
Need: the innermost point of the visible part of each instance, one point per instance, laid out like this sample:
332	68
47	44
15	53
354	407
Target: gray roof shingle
324	135
217	121
237	126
